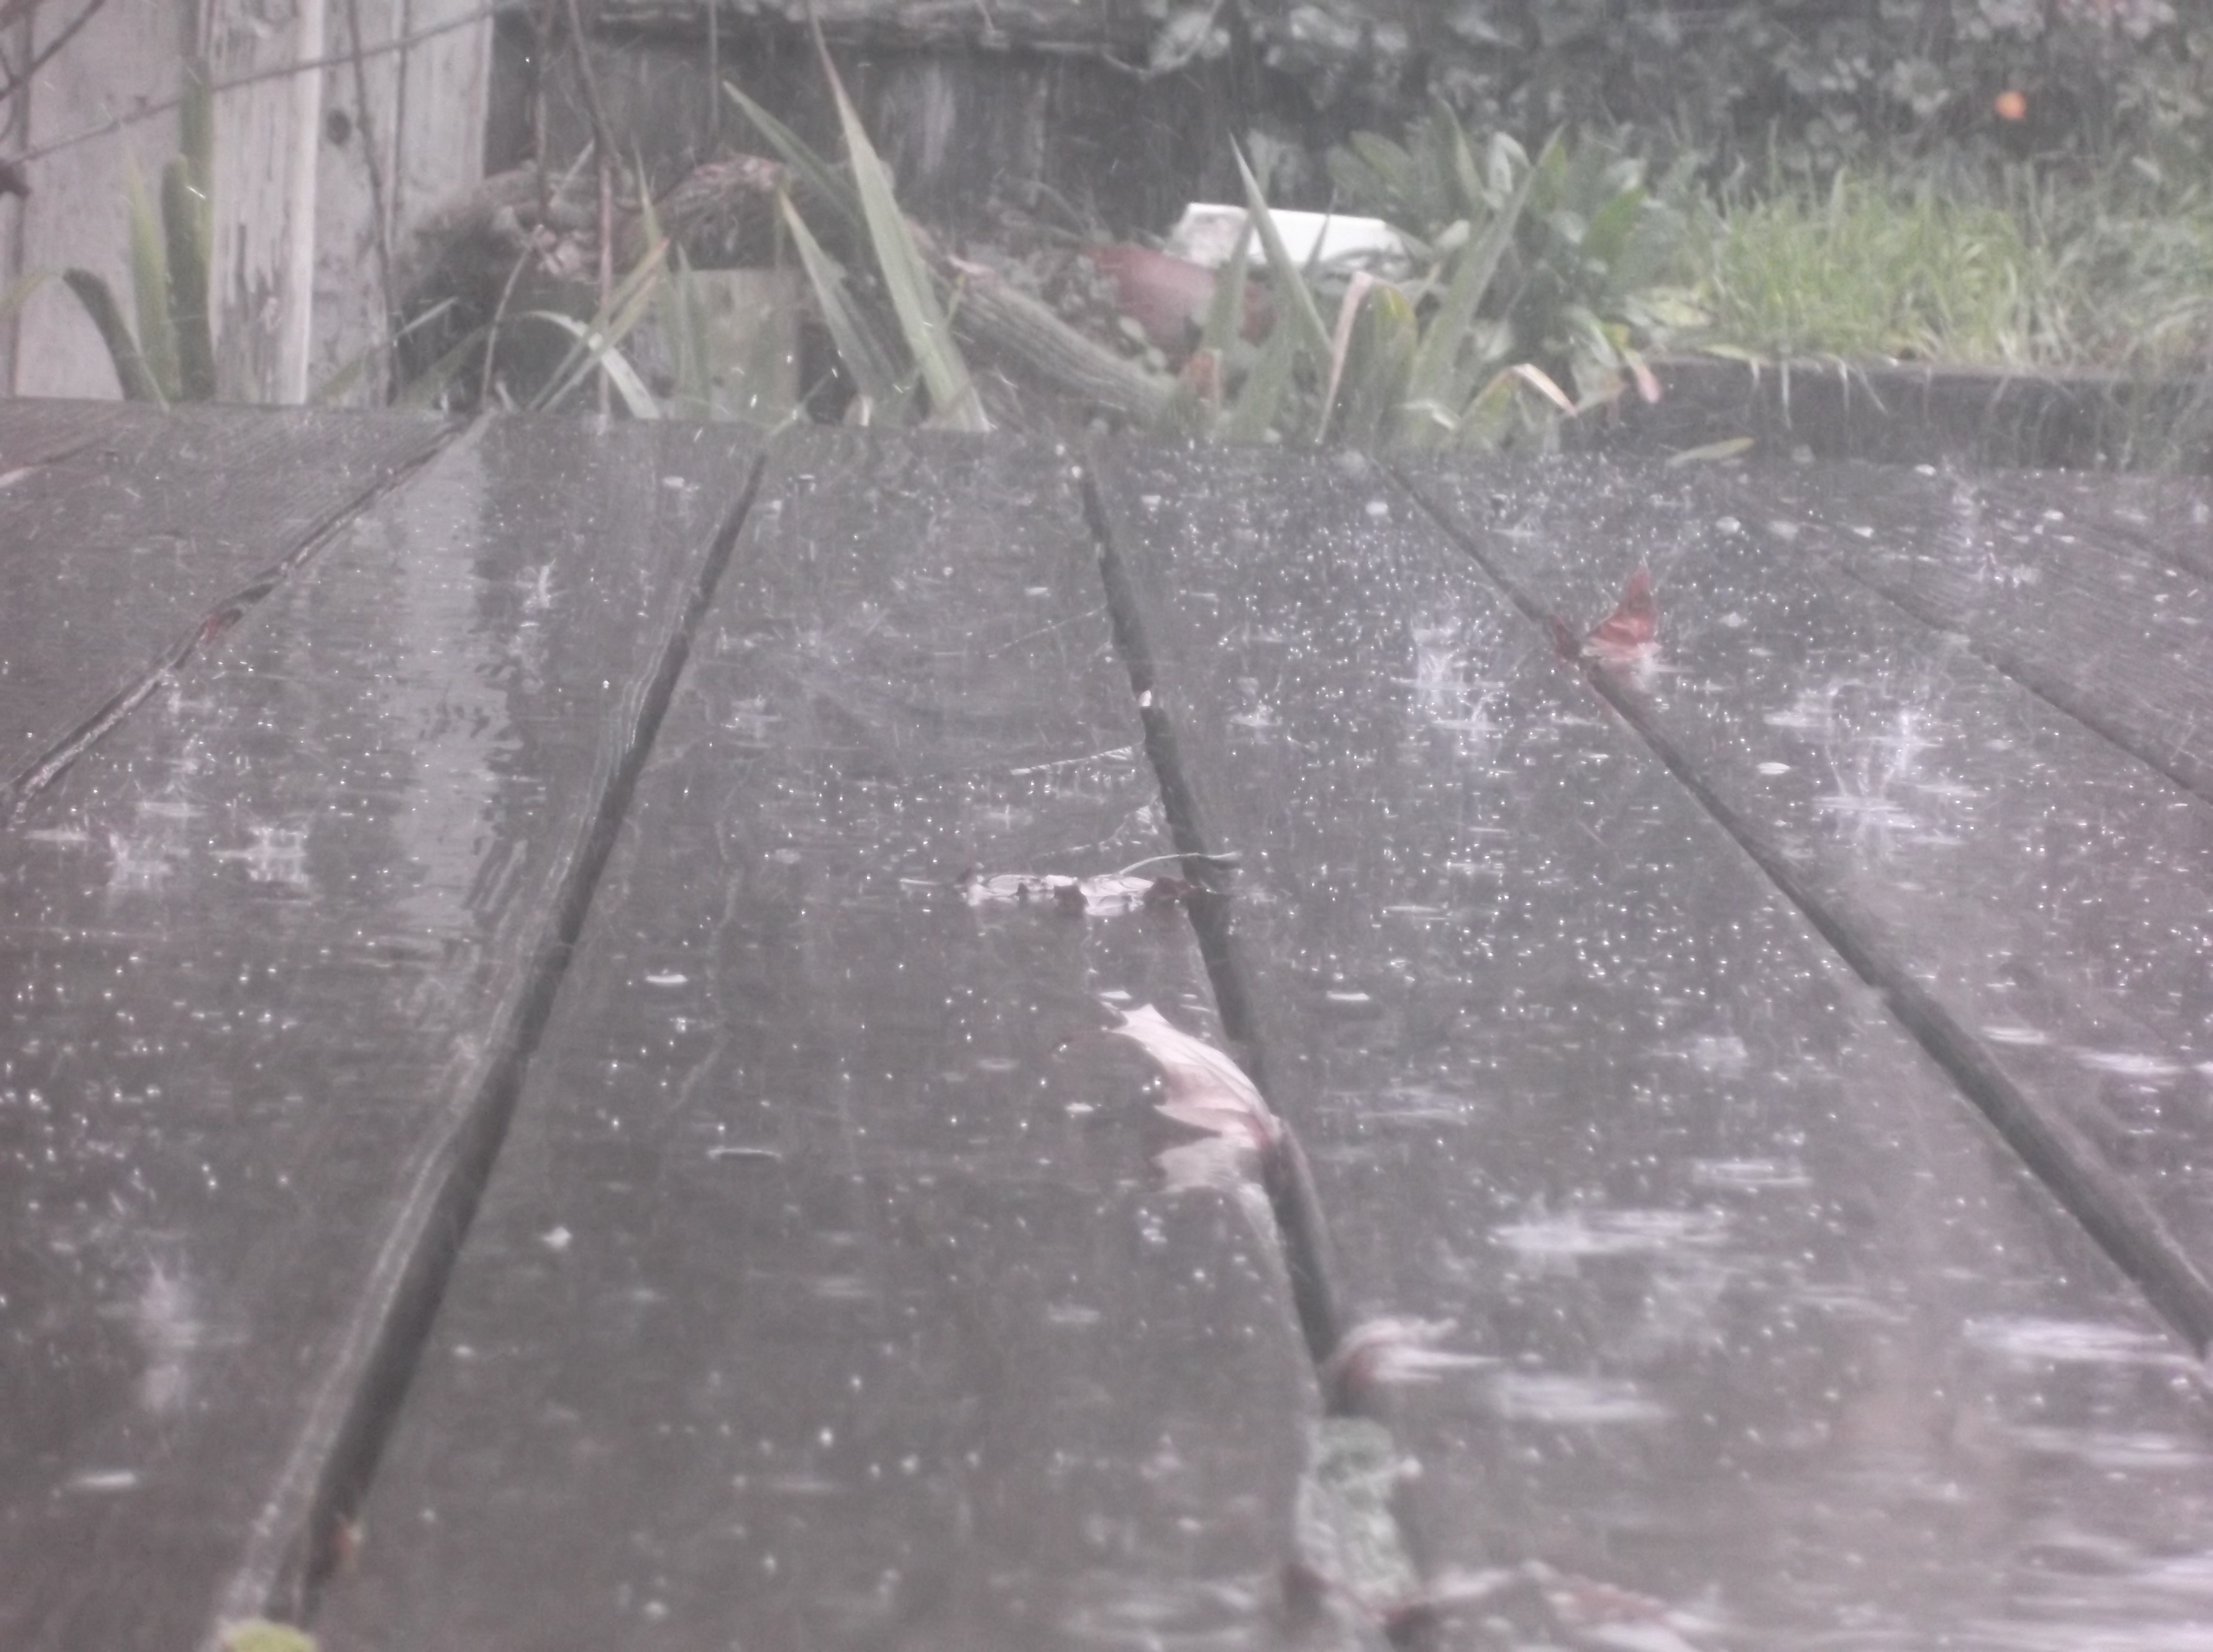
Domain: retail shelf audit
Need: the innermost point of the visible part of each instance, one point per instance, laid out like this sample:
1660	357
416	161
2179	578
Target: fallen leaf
1205	1088
1093	897
1624	637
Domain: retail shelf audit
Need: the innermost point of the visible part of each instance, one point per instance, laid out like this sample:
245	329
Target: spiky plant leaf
1381	357
131	369
1292	292
822	180
1266	386
874	375
1434	374
907	277
1196	405
149	284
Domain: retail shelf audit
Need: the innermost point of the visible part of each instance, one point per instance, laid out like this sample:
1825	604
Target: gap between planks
295	1543
2120	1219
18	791
1334	1346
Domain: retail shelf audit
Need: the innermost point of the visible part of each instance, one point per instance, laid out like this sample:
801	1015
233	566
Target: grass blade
131	369
599	340
874	375
821	179
601	352
149	284
907	278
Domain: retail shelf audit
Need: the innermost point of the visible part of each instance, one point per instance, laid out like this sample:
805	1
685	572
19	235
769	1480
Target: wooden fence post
266	136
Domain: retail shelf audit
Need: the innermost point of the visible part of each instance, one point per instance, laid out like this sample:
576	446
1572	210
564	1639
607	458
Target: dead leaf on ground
1205	1088
1098	896
1627	637
1093	897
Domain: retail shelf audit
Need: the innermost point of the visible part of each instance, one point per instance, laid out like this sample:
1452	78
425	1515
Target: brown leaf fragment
1205	1088
1624	637
1628	633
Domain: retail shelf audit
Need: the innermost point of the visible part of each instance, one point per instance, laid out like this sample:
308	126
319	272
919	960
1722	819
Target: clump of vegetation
1526	300
169	356
2026	273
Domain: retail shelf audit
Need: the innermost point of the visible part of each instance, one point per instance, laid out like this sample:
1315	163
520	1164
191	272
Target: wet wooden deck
555	1093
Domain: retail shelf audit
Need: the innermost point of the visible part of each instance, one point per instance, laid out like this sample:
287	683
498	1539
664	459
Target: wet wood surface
829	1262
557	1087
2044	579
357	827
127	533
2029	895
1719	1275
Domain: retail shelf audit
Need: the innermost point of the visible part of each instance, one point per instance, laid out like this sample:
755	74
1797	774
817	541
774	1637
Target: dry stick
329	60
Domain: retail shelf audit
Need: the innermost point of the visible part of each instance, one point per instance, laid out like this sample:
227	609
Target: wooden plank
268	131
828	1295
1743	1309
148	525
2080	590
273	955
2033	900
403	129
36	432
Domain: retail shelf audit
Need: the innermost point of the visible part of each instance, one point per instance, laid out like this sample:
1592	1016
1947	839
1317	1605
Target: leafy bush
1797	86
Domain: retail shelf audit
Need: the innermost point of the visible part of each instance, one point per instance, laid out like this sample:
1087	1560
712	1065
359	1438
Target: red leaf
1631	627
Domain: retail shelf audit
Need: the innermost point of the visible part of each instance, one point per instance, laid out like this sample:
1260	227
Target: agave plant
887	371
170	355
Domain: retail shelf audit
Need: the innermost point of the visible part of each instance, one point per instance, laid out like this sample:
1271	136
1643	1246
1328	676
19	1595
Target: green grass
2113	274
